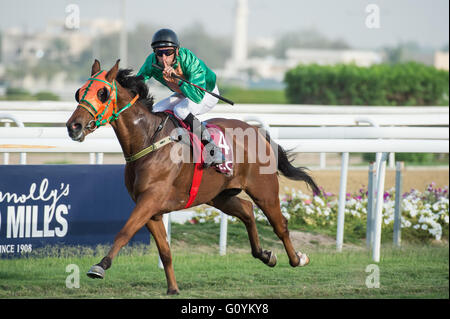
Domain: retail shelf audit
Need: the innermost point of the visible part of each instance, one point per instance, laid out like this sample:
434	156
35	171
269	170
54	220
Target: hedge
406	84
19	94
253	96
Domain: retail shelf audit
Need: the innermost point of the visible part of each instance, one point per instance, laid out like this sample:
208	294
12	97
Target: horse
158	185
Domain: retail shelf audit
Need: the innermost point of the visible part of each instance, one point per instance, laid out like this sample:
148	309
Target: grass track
409	272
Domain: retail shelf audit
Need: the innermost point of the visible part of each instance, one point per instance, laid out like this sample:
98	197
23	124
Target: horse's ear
111	75
95	67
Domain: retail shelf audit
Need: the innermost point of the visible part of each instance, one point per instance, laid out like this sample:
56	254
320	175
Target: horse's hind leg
158	231
264	193
243	210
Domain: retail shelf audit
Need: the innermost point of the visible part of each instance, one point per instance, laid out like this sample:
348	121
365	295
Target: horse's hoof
272	258
304	260
173	292
96	272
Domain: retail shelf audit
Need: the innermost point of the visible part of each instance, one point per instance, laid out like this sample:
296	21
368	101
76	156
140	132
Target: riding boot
213	154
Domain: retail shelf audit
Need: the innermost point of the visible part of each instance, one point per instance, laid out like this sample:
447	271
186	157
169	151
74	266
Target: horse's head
97	102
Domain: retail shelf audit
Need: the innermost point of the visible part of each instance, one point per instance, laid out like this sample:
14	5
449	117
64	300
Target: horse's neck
134	127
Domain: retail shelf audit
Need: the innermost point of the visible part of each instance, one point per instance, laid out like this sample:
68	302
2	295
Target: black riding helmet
165	38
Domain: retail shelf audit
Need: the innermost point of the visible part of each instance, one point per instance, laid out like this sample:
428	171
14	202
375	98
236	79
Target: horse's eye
103	94
77	95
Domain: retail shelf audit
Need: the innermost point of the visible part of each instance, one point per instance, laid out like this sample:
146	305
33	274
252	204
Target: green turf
414	271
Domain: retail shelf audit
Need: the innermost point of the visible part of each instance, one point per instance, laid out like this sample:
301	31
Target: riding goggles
166	52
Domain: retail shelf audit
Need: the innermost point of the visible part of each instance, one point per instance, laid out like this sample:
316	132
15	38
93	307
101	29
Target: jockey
187	101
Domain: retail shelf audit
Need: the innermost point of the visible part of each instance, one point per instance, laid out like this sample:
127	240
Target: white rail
60	117
316	129
336	139
248	108
328	132
274	115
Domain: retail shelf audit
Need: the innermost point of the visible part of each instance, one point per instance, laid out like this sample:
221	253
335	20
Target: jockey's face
166	55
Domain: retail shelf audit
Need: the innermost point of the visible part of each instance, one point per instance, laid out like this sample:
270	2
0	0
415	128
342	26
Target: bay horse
158	185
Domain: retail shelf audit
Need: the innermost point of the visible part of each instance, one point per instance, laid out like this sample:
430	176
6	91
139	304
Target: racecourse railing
301	128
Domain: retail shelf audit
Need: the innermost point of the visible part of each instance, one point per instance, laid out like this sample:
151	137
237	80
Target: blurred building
332	57
22	48
2	80
441	60
20	45
247	71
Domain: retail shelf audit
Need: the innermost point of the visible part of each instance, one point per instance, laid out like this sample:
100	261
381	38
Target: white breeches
182	106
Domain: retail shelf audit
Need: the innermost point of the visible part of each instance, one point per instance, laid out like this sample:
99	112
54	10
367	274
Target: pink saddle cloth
222	141
219	138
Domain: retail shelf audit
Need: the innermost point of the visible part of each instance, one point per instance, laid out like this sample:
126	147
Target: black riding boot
213	154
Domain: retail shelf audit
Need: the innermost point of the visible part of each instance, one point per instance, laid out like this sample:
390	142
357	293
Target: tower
239	53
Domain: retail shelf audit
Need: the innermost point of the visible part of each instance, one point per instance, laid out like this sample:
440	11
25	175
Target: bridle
106	112
102	112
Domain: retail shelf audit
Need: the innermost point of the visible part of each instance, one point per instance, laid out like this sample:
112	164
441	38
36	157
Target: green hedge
19	94
409	158
253	96
46	96
382	84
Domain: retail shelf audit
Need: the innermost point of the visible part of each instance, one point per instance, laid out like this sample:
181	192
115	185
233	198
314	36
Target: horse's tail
290	171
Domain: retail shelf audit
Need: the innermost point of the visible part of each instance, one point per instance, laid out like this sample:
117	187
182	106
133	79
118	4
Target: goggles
166	52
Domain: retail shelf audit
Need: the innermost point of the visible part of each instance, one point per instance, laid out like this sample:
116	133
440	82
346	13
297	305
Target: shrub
13	94
254	96
410	158
46	96
347	84
18	94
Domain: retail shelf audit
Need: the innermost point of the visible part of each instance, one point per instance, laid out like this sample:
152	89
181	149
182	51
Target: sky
425	22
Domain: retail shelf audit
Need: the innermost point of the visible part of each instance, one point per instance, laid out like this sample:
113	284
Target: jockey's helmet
165	38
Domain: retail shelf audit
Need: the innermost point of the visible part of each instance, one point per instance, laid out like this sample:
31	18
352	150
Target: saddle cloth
219	138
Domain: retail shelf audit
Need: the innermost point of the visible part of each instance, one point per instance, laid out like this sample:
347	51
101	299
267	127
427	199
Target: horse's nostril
76	127
75	131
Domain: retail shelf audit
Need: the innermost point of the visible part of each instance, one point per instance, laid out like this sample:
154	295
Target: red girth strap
198	160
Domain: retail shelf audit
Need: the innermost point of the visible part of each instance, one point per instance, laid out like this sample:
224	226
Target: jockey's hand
171	81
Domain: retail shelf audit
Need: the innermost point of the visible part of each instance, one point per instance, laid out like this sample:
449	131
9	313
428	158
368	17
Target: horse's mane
136	86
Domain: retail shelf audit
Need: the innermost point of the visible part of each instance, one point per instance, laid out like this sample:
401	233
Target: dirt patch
182	246
302	240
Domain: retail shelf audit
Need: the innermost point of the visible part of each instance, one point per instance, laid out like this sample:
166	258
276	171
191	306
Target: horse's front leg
158	231
141	214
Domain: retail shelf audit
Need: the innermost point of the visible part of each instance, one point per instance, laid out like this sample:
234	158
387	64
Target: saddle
218	137
197	149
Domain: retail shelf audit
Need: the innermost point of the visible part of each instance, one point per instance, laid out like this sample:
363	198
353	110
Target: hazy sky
426	22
